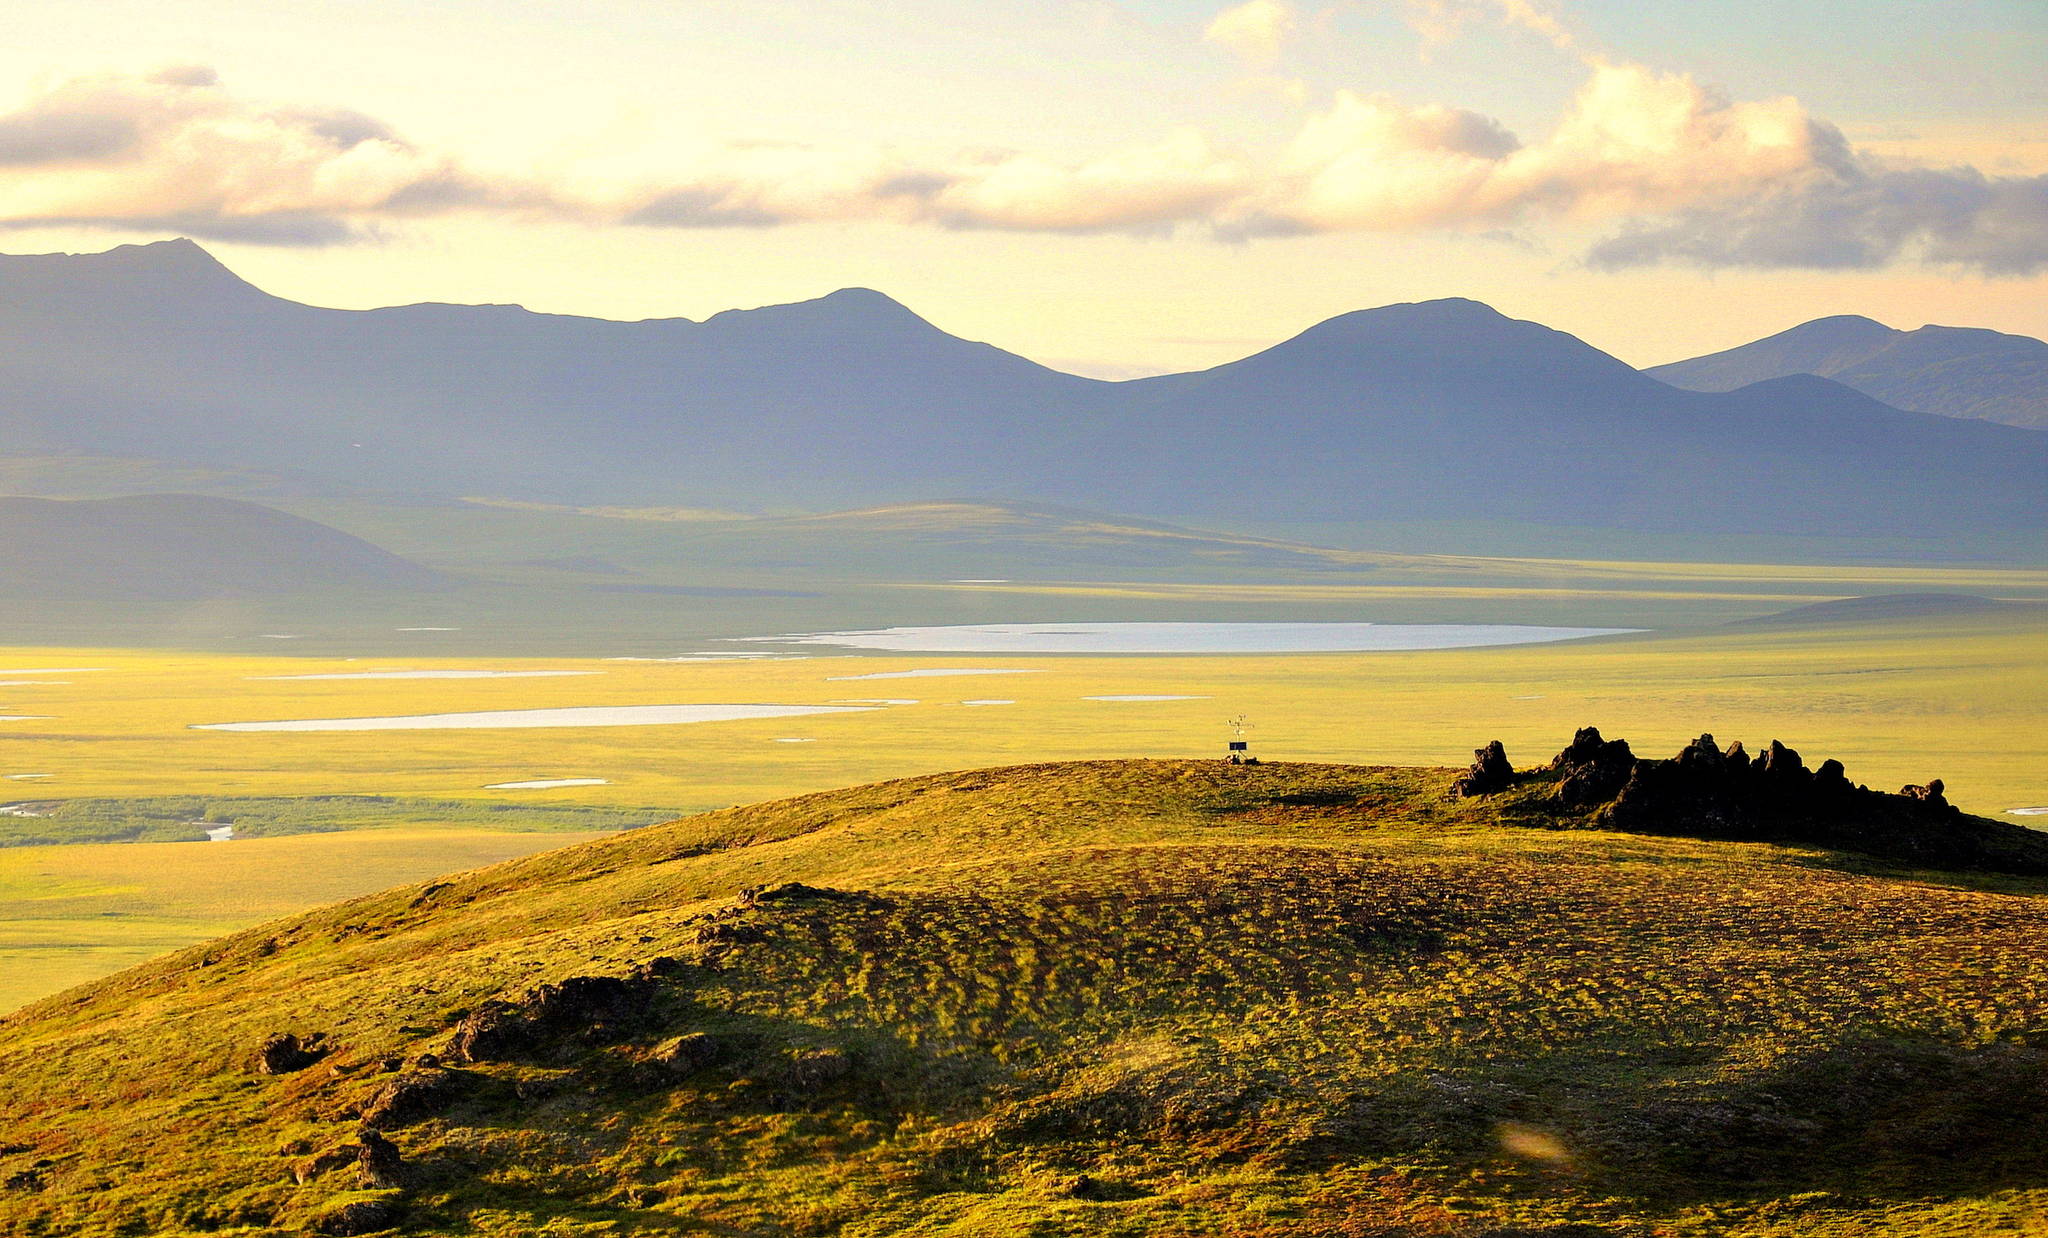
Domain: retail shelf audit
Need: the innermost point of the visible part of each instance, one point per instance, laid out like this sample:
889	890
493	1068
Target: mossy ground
1144	997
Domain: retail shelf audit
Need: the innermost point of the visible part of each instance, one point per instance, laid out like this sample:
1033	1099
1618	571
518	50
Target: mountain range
1443	410
1952	371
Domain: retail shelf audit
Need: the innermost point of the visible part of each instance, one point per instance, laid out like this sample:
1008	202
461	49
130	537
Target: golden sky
1111	187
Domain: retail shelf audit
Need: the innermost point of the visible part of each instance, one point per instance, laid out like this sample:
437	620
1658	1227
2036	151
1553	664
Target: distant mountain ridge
1442	410
1950	371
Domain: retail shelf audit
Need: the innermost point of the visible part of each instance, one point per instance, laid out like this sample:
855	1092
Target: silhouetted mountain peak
1977	337
1452	340
1445	314
1843	327
179	261
178	269
850	311
1949	371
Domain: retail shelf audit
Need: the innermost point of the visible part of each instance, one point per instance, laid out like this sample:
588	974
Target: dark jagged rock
798	892
1707	792
285	1053
684	1055
1929	794
360	1216
1490	772
1591	770
729	934
585	1010
413	1097
1782	765
379	1160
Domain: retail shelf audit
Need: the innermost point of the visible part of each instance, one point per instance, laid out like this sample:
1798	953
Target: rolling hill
1952	371
1142	998
172	547
1443	410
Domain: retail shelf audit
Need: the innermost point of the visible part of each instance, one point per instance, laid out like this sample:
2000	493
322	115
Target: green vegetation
1135	997
187	818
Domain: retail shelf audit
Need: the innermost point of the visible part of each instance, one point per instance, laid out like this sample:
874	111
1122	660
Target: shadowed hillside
1953	371
1167	998
183	547
1884	608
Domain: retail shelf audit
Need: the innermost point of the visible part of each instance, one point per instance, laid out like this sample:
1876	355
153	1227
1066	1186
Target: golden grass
1250	1002
1964	700
73	914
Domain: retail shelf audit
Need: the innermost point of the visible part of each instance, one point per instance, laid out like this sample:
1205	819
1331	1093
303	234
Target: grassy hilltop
1135	997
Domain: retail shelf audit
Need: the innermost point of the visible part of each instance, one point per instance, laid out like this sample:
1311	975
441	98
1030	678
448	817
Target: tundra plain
1957	694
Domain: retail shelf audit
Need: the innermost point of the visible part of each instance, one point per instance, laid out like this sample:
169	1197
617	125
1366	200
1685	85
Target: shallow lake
539	784
1188	638
580	716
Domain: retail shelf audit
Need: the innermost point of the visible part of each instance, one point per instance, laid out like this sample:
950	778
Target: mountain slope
1449	410
183	547
1950	371
1440	411
1131	997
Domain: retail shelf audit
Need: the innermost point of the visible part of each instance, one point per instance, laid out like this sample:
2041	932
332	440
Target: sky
1115	187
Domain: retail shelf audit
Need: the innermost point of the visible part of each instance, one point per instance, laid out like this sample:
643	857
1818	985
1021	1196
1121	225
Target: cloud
1256	30
173	149
1632	141
1671	170
1142	189
1856	219
1148	189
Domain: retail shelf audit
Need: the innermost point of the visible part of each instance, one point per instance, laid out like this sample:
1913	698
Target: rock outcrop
1490	772
1706	791
285	1053
414	1096
1590	769
379	1159
582	1010
359	1216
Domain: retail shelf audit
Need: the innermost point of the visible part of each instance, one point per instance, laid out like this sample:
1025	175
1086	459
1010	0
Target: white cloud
175	148
1256	30
1180	179
1678	172
1631	142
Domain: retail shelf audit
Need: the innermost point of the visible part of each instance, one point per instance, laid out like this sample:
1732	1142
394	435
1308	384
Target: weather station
1239	750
